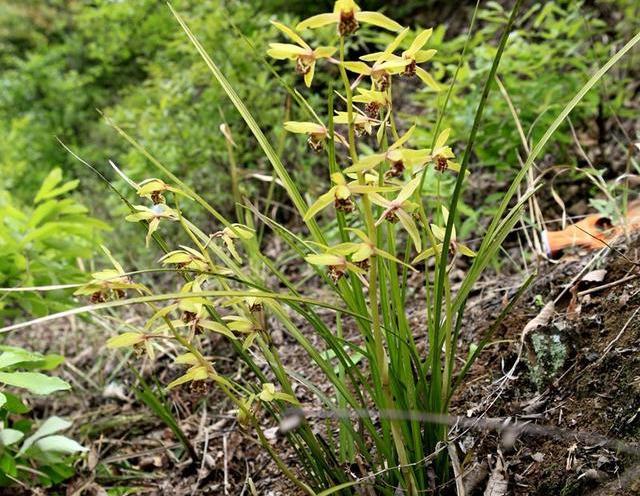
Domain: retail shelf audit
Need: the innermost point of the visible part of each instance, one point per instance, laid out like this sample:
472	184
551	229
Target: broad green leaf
9	358
59	444
65	188
34	382
49	183
50	426
47	362
8	465
10	436
13	404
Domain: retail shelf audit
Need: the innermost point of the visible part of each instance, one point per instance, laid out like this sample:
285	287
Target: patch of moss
551	354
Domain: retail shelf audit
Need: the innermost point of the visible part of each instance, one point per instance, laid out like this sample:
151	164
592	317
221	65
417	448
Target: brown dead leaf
540	320
574	308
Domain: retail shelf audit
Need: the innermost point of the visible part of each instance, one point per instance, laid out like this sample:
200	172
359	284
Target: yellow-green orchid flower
438	233
373	100
302	53
361	122
139	341
336	259
383	66
230	234
366	249
197	374
399	157
416	55
186	258
400	209
317	133
254	303
269	393
109	282
413	56
153	216
195	321
441	154
154	189
354	257
348	16
340	195
243	325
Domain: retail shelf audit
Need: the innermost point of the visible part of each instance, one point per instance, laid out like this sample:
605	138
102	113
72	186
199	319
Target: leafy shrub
33	456
42	243
127	59
554	48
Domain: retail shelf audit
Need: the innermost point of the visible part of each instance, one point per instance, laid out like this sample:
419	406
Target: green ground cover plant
31	454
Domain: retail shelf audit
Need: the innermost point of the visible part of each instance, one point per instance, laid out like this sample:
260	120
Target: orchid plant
369	238
375	181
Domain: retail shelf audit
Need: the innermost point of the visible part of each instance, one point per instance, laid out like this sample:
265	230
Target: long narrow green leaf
442	265
268	150
156	404
178	296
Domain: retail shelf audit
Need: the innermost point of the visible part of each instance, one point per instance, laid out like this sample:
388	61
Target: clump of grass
363	238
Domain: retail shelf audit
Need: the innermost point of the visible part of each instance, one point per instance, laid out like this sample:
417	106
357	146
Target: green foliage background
61	60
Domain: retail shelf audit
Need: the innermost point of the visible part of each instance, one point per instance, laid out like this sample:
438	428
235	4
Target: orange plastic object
592	232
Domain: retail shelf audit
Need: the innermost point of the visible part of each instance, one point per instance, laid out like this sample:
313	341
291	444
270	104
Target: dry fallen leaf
574	308
541	319
594	276
114	390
